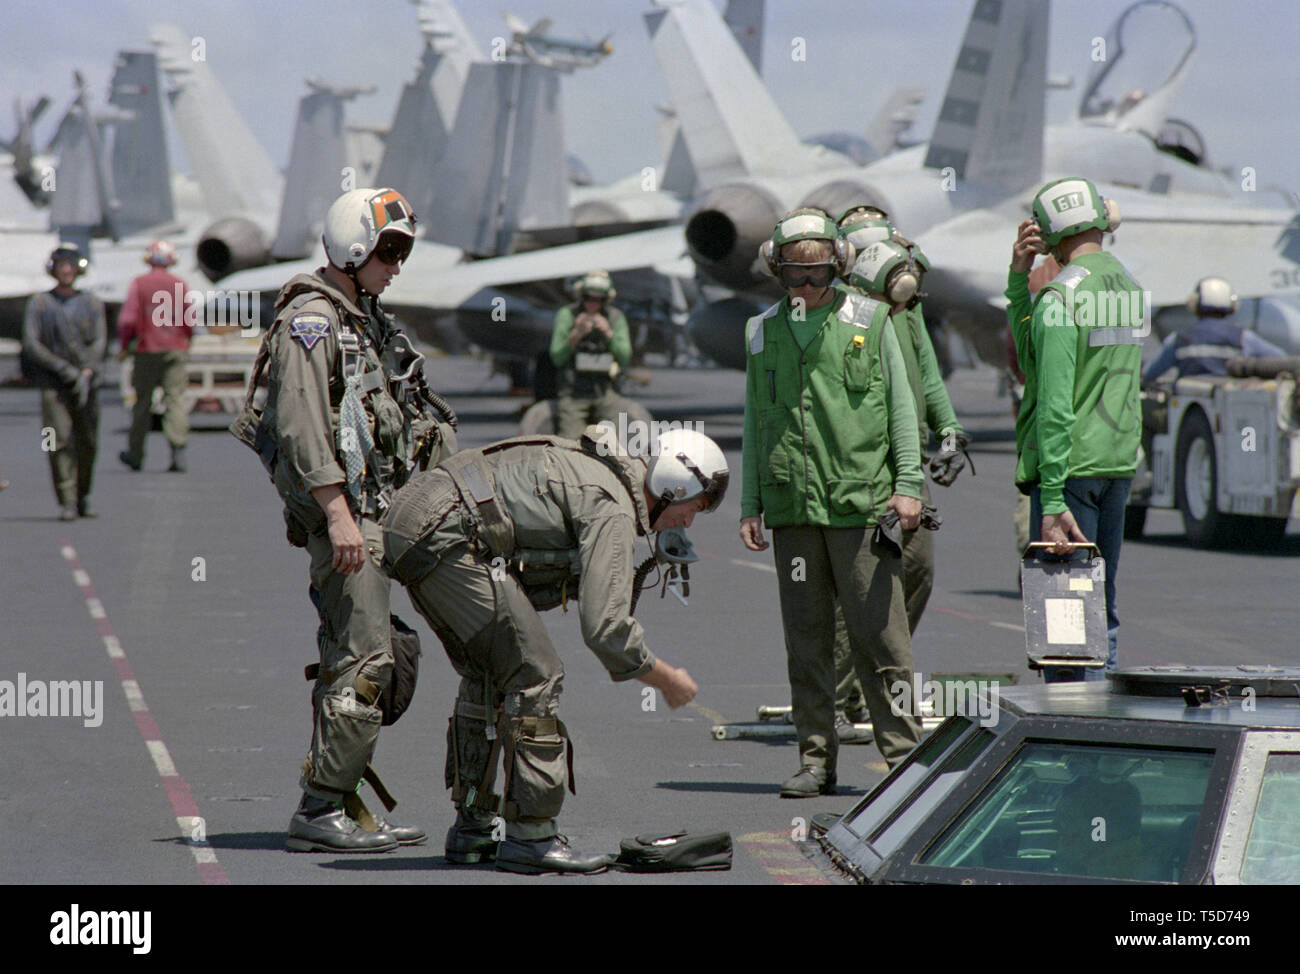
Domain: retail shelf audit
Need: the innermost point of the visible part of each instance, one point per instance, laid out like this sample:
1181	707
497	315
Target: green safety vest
823	416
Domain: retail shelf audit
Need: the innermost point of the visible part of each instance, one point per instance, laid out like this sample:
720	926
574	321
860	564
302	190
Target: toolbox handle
1035	547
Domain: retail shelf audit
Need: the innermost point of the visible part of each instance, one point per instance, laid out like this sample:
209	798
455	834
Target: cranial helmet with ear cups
594	282
1213	298
806	224
888	269
1070	206
69	252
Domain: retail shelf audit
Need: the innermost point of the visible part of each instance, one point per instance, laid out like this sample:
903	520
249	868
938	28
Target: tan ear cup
845	255
767	254
902	285
1113	218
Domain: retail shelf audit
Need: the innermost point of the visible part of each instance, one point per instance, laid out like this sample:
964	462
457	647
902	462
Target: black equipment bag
406	670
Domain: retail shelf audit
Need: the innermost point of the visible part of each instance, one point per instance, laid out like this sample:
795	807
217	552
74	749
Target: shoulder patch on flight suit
859	310
309	328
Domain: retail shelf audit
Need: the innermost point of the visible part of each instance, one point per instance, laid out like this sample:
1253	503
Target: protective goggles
393	248
797	275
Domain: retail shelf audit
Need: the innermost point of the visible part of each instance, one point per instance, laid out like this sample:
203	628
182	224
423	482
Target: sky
1240	92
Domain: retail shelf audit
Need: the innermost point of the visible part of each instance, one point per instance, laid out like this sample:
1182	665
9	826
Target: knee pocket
349	728
542	767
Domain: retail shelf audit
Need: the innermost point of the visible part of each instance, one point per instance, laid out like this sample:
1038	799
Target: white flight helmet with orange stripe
357	220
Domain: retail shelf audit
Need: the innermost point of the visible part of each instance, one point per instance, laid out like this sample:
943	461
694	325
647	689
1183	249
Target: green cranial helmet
863	224
864	231
808	223
594	282
889	270
1070	206
861	211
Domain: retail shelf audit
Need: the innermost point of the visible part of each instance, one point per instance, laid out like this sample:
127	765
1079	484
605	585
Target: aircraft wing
431	277
662	249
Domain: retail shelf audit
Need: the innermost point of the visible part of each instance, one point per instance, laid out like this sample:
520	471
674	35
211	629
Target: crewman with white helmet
347	420
1204	347
485	540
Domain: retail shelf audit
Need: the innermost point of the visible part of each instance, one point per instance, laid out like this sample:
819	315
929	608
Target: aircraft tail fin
81	206
316	162
745	20
234	172
896	115
443	29
505	158
138	160
428	106
730	125
678	175
990	127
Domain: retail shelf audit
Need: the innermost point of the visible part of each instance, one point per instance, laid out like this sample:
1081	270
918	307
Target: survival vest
409	432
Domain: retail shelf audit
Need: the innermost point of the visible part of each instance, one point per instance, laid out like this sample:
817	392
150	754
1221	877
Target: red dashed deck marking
184	806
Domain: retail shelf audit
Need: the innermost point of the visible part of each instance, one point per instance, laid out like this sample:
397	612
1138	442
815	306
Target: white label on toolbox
1081	585
1065	626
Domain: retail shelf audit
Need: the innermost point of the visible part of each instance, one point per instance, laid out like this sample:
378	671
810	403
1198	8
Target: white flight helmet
1213	298
685	464
357	218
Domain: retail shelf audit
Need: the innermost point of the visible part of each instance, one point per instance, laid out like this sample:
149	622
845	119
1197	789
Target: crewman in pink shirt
156	325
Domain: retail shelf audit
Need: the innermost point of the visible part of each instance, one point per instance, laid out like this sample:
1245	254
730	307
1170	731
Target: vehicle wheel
539	418
1198	484
1135	522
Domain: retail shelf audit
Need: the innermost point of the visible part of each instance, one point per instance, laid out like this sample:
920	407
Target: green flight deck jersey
1080	347
830	421
585	370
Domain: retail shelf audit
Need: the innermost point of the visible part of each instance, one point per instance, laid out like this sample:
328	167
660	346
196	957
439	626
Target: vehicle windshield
884	819
1084	810
1273	850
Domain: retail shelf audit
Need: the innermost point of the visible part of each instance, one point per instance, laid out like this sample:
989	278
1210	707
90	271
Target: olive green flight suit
830	436
586	387
62	336
574	522
305	395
